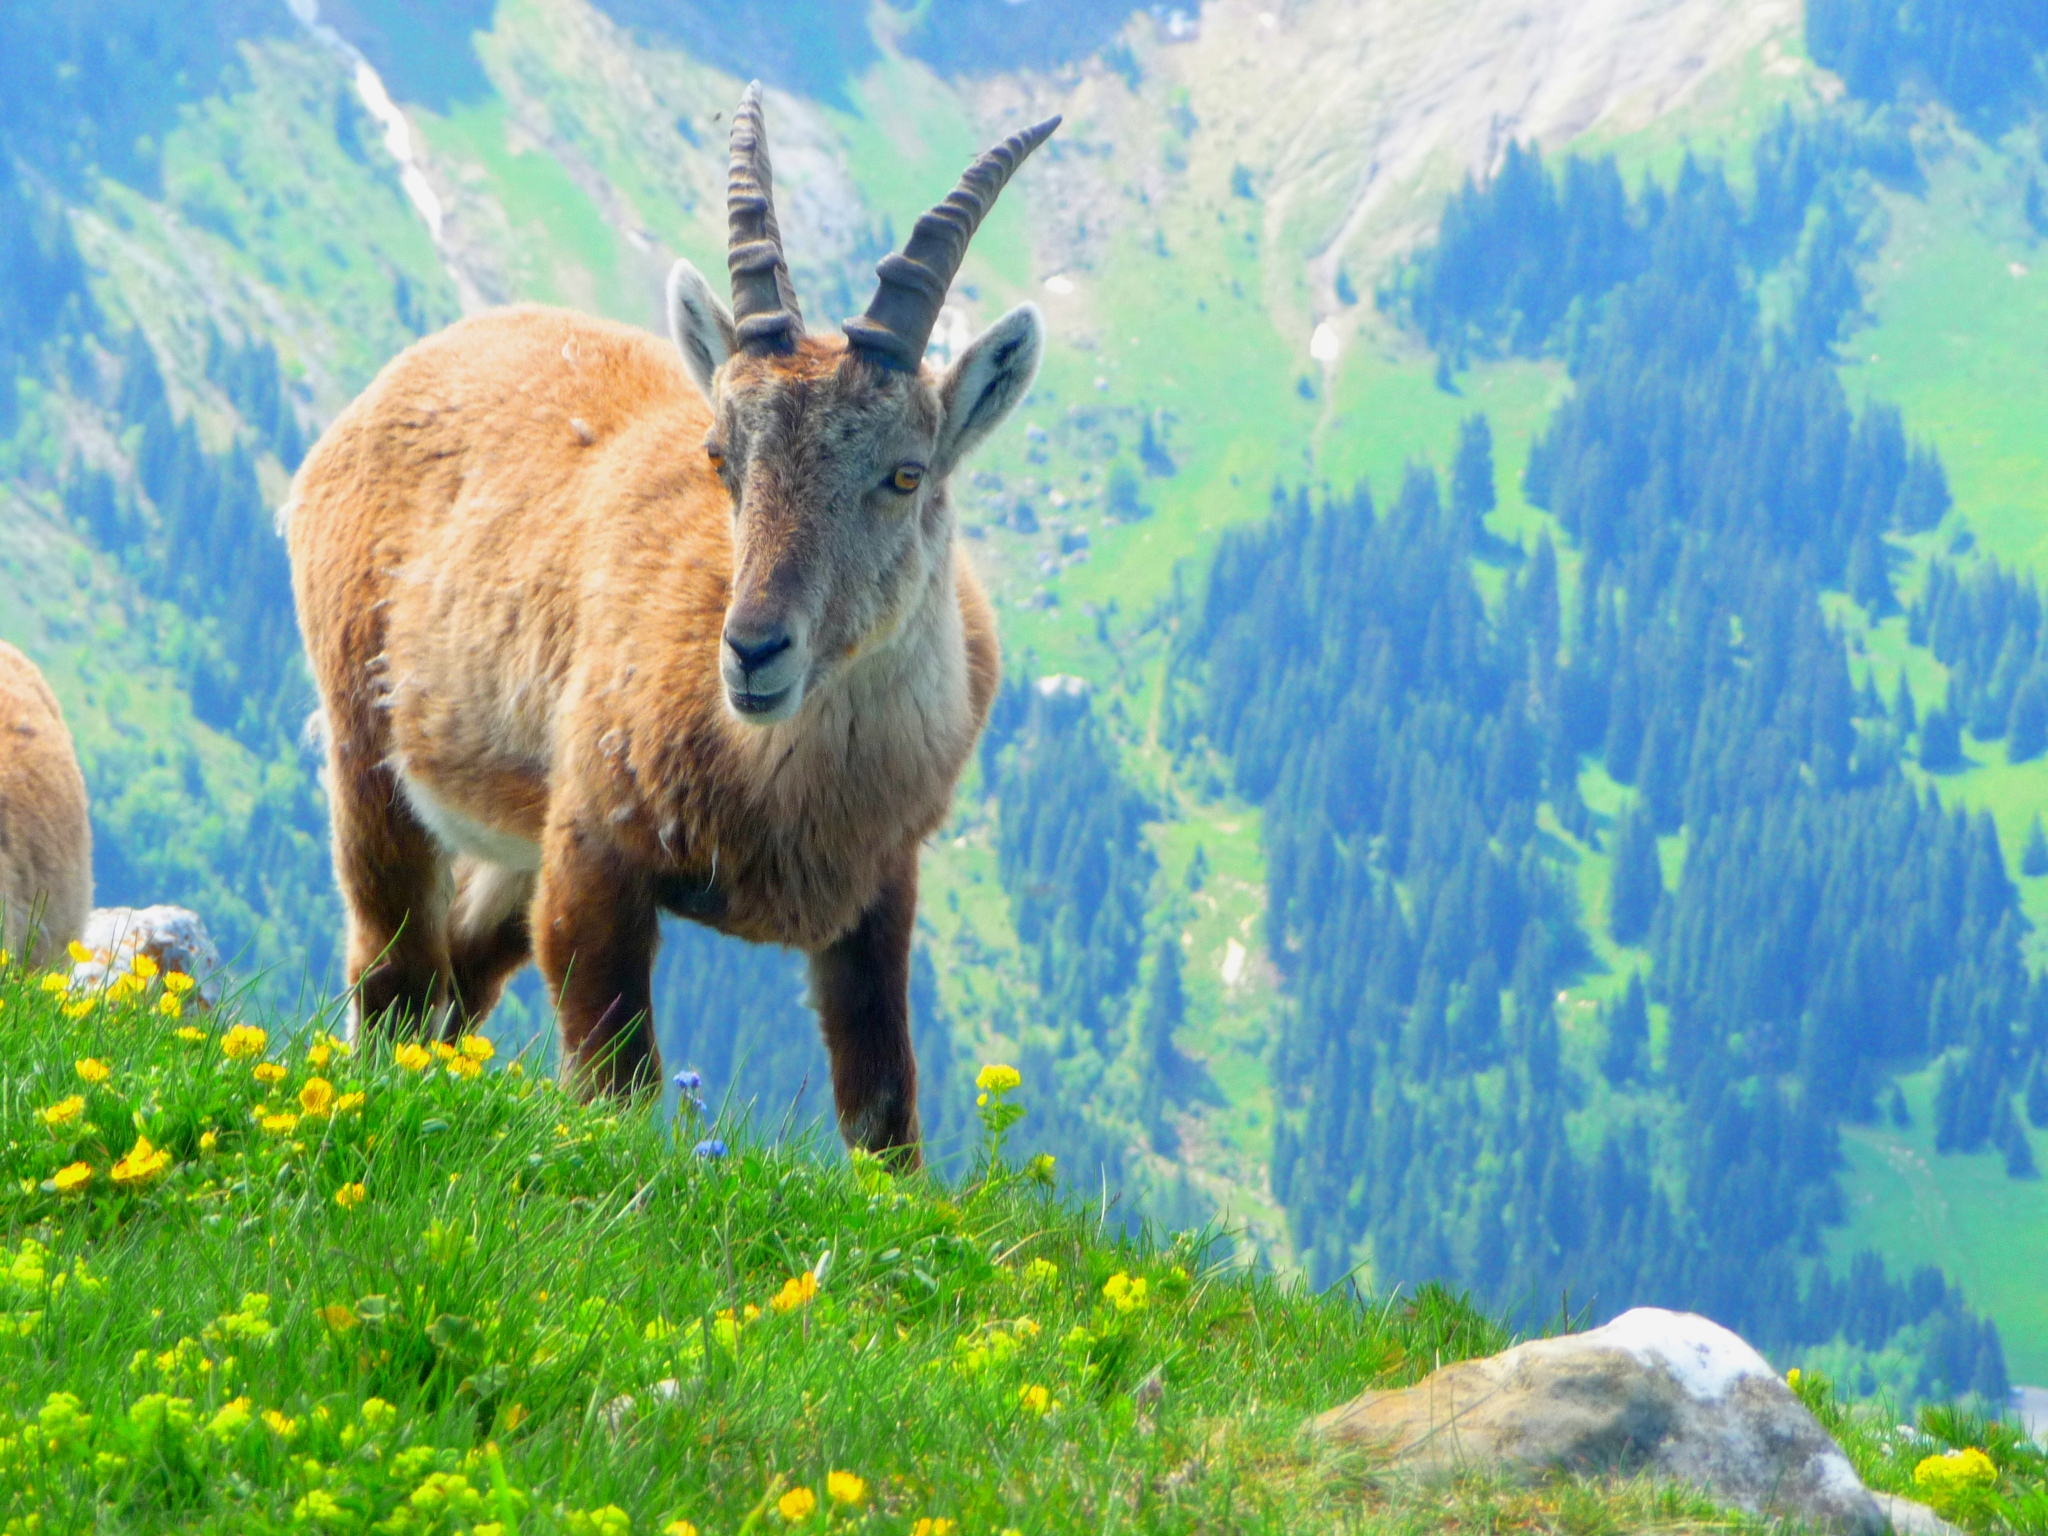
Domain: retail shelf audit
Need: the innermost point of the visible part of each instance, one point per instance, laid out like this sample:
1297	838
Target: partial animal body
605	626
45	833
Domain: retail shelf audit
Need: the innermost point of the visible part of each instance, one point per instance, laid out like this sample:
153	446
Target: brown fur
514	565
45	833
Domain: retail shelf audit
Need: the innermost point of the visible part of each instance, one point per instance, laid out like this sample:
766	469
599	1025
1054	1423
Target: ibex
603	629
45	834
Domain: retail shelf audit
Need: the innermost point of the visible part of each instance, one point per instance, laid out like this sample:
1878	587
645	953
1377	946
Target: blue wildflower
710	1149
689	1080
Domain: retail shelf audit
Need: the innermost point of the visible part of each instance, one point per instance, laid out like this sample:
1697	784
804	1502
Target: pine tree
2019	1152
1626	1053
1472	491
1941	740
1904	715
1638	880
2037	1093
2034	857
2026	728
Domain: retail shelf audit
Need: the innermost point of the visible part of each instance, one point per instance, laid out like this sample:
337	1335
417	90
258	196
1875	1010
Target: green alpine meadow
256	1280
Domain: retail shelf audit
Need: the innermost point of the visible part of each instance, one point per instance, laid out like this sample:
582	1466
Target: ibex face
836	454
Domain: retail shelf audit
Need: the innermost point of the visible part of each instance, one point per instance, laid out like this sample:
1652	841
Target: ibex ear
986	382
700	323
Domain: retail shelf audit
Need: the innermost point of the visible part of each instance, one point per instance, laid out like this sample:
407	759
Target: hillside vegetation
1528	792
257	1281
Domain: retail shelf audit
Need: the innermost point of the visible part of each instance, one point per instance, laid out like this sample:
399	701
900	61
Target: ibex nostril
752	653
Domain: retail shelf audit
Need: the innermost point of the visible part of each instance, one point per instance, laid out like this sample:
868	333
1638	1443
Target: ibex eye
715	452
907	478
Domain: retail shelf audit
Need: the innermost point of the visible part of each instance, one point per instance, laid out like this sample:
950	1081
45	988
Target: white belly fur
462	834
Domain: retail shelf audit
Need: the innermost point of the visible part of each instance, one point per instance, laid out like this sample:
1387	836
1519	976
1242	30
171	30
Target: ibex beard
605	627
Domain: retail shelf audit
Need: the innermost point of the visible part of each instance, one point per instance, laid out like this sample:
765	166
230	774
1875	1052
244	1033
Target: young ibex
45	834
603	628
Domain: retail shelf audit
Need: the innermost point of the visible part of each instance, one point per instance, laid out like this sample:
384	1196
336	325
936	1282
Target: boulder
175	938
1666	1394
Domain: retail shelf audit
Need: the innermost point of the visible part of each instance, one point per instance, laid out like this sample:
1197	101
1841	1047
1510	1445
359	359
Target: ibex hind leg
395	883
488	936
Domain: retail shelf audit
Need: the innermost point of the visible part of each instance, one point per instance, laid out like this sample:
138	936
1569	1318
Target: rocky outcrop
175	938
1667	1394
45	836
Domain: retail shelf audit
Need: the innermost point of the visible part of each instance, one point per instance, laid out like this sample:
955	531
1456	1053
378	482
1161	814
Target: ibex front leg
594	933
861	986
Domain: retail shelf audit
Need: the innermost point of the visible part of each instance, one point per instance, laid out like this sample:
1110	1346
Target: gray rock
1911	1519
174	937
1665	1393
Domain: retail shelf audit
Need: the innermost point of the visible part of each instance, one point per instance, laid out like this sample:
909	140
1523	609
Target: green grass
1988	1232
261	1282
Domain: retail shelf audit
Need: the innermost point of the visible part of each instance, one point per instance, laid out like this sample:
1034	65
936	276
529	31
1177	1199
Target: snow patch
1702	1356
1059	285
1324	346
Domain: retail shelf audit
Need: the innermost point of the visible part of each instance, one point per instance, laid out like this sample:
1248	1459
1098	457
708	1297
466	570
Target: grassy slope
242	1298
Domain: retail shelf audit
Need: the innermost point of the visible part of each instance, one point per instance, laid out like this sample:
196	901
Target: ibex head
836	451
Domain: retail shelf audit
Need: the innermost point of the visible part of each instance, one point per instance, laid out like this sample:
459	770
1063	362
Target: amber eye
906	478
716	454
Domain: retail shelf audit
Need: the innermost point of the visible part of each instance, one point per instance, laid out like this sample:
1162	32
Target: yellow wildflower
177	983
188	1034
142	1163
378	1415
231	1420
143	966
243	1041
70	1180
797	1291
443	1049
349	1196
1125	1292
339	1317
169	1006
317	1056
845	1489
208	1140
317	1097
268	1072
63	1112
463	1066
1041	1272
998	1078
1955	1472
278	1124
280	1424
78	952
1035	1399
679	1528
347	1102
797	1504
414	1057
79	1009
927	1526
477	1048
56	981
1793	1377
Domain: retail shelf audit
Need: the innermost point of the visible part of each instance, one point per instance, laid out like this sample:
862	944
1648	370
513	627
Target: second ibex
603	629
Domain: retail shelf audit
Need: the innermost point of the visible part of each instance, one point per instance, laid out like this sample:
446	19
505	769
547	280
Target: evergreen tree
1626	1054
2026	728
2034	857
2037	1093
1472	488
2019	1152
1637	884
1941	740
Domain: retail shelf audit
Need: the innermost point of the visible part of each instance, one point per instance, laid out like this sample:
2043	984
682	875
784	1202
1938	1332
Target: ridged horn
898	323
763	299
